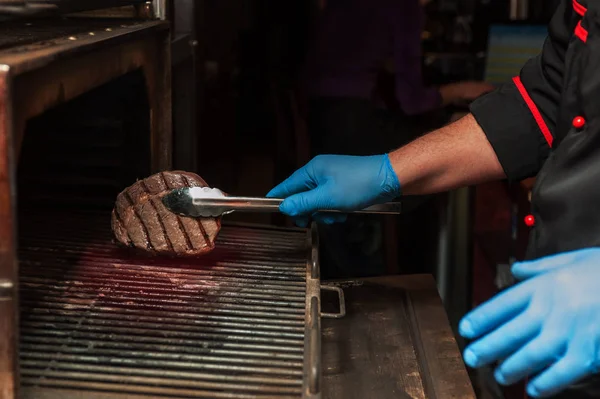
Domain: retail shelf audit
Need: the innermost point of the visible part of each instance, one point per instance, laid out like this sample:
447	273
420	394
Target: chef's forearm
454	156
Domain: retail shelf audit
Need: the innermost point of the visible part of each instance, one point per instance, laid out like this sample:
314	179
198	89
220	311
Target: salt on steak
140	220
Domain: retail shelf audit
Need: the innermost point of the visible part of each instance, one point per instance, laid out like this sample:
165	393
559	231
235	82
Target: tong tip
181	201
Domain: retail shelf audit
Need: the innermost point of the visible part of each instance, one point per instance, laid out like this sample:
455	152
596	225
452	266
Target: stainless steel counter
394	342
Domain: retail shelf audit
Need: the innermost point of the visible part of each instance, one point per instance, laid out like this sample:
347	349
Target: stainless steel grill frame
243	322
49	69
37	73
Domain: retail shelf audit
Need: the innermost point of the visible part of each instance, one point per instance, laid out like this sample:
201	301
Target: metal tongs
212	202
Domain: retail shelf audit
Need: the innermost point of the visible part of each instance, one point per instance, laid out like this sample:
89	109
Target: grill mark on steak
149	245
162	225
205	234
152	202
119	220
189	224
187	183
164	180
185	234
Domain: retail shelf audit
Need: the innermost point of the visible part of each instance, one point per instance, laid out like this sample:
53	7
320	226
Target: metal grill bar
188	331
165	348
179	324
188	279
99	319
222	270
188	289
133	361
56	308
280	306
154	391
41	314
36	366
189	384
224	309
186	344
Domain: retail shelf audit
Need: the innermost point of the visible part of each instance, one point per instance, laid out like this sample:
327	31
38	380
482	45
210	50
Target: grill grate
94	318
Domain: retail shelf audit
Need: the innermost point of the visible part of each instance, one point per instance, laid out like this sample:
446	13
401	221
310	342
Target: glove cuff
390	183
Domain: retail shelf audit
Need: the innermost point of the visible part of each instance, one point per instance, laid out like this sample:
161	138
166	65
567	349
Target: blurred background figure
353	109
354	40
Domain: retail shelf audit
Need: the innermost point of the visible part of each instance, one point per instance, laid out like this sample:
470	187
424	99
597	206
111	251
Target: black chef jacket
546	122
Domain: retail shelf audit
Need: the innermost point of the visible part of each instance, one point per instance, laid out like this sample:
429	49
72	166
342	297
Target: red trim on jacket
534	111
579	9
580	32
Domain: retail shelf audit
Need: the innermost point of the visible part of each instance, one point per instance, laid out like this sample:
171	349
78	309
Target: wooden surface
394	342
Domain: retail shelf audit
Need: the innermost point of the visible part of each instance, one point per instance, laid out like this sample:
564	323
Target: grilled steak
140	220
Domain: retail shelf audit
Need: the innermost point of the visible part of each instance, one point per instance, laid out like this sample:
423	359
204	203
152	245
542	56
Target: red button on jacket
529	220
578	122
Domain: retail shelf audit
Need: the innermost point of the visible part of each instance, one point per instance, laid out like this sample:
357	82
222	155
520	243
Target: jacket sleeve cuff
519	137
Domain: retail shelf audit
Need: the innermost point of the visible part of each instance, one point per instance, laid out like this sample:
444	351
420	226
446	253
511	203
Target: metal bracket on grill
340	293
313	315
312	334
314	354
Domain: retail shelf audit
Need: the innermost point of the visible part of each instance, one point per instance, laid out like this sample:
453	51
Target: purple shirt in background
352	41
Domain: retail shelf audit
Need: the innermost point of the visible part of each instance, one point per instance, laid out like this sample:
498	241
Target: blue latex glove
548	324
341	182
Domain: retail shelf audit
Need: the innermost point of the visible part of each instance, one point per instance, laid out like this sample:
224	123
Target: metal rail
27	8
61	62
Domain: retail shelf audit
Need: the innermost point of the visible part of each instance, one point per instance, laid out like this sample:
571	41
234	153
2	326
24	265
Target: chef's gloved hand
340	182
548	324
